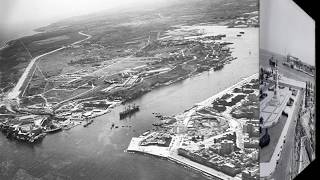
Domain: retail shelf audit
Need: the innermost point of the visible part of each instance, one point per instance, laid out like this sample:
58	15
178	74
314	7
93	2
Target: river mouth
97	151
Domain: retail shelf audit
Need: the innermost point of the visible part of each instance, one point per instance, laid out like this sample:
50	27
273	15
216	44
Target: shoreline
243	80
178	162
187	114
5	43
168	152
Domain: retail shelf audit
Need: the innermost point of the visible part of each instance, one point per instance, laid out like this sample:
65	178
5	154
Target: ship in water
88	122
218	67
129	110
53	128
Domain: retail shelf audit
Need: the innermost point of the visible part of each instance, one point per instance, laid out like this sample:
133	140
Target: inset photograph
287	89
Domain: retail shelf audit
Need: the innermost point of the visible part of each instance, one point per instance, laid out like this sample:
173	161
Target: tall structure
275	99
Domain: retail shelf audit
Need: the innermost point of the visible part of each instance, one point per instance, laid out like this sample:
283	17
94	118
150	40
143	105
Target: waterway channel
97	151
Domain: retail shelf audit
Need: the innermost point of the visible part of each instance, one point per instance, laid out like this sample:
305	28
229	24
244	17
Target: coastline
212	98
181	163
169	153
5	43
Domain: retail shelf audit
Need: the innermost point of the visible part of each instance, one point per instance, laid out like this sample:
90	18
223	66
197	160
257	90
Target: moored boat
218	67
129	110
53	129
88	122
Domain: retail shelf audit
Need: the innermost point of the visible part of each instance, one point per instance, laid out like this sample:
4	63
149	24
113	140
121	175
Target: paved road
14	94
284	168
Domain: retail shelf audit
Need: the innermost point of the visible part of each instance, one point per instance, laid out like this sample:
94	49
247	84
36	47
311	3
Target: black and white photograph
287	90
139	90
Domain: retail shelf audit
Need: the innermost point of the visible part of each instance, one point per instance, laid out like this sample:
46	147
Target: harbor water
98	151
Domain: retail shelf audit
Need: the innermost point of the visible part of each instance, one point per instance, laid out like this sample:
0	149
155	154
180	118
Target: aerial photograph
145	90
287	90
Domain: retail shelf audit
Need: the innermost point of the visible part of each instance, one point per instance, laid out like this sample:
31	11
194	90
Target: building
215	148
250	174
252	129
292	59
180	128
227	147
250	142
230	169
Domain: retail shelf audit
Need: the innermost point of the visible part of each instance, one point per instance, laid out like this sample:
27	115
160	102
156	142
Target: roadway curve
14	94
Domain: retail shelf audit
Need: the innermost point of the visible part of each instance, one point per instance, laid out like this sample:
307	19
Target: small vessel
158	116
88	123
157	124
218	67
129	110
146	133
37	137
53	128
4	127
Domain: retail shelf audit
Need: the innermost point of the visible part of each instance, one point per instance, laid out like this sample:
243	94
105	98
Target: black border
310	7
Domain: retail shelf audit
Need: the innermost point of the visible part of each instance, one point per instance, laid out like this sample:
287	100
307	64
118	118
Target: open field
136	75
123	42
114	32
15	57
51	40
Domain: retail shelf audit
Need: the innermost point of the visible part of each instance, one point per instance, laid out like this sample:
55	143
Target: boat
88	122
4	127
158	124
112	126
129	110
146	133
37	138
22	136
159	116
218	67
53	128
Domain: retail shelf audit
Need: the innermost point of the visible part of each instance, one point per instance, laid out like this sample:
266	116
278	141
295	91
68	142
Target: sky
23	11
286	29
19	17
